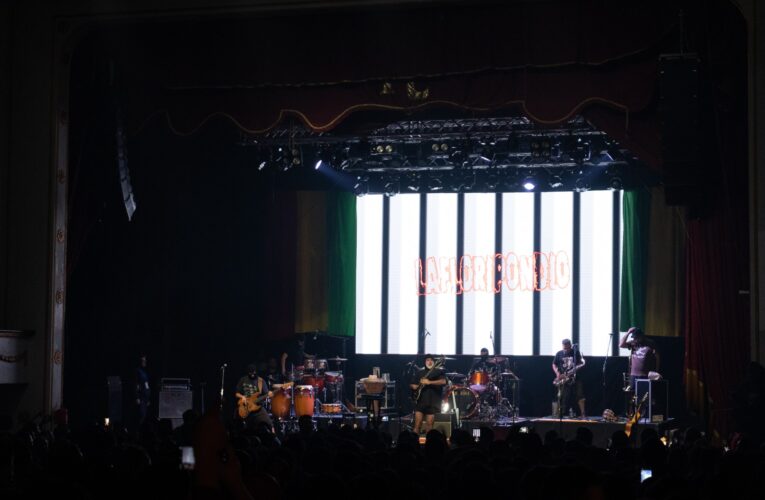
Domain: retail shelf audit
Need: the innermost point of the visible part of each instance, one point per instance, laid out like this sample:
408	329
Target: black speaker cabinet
172	404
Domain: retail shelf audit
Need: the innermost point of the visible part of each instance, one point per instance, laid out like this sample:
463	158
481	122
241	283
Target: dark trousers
257	417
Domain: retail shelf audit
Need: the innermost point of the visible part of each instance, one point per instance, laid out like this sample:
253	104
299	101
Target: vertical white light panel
403	252
478	272
622	352
596	272
439	273
556	287
517	274
369	232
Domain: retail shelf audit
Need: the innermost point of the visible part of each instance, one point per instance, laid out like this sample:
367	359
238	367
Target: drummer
295	356
272	375
483	364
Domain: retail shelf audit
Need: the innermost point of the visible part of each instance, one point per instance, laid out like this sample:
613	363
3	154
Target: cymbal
338	359
448	358
498	359
455	375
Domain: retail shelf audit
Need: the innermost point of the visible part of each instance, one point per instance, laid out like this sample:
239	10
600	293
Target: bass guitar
564	379
254	402
437	365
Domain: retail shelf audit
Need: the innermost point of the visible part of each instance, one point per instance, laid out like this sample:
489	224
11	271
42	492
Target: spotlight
436	184
529	185
392	188
318	165
262	165
581	185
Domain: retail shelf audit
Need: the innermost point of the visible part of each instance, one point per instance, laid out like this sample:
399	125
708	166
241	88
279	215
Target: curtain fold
636	210
311	262
341	263
665	268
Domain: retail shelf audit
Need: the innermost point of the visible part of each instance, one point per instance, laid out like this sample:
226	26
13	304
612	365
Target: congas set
280	401
479	379
304	400
463	399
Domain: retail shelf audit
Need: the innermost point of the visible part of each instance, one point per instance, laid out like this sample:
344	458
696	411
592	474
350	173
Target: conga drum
280	402
304	400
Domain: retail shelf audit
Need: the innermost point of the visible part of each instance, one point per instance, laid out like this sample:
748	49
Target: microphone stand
222	382
605	361
575	348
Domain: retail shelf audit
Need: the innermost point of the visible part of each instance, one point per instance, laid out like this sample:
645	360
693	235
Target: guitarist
427	387
565	365
252	386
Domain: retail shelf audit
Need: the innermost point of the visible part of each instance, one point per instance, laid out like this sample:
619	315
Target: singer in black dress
427	387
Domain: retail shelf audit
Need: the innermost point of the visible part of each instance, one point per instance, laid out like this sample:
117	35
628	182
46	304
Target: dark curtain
717	249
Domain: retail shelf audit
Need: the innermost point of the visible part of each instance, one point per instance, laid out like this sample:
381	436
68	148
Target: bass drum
463	398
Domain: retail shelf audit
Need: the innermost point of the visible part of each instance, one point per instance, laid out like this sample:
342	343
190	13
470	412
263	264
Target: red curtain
717	283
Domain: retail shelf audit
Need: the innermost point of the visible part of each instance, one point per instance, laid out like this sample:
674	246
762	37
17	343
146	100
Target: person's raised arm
284	363
624	344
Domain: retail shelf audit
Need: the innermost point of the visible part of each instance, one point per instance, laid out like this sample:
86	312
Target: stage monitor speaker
656	408
114	398
445	423
172	404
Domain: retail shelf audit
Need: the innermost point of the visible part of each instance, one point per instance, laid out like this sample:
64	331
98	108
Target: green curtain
636	212
341	263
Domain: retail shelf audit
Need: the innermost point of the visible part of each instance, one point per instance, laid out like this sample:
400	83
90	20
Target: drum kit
316	390
488	392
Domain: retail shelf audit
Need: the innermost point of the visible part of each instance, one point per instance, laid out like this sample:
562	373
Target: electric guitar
253	403
636	417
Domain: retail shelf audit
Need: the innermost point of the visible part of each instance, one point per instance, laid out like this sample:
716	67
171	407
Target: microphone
224	365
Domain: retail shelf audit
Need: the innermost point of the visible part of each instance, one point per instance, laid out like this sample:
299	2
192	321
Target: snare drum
304	400
332	408
479	379
464	398
280	402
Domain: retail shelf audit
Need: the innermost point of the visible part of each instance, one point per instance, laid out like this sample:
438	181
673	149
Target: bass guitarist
569	388
427	387
252	389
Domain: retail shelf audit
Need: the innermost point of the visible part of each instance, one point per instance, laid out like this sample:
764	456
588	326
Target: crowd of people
42	460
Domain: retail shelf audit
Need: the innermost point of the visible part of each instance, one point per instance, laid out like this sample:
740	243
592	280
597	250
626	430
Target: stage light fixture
262	165
528	184
318	165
